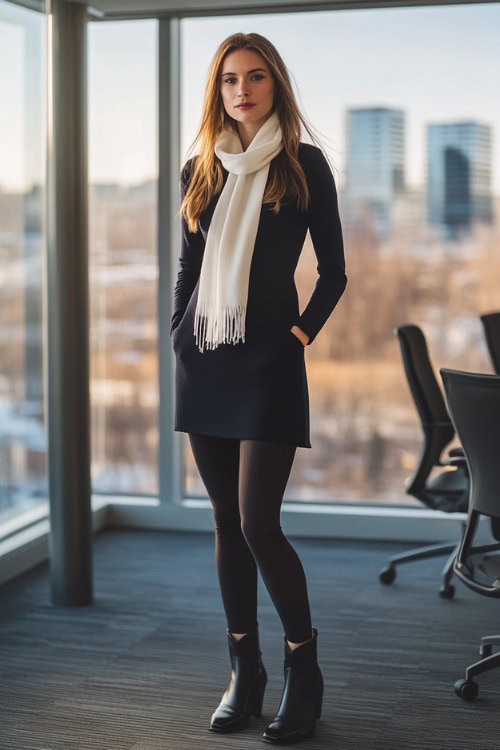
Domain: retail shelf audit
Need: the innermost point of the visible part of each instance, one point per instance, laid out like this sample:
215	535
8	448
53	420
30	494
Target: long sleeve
326	235
190	260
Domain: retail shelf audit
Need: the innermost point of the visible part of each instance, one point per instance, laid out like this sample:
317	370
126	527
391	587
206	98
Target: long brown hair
286	176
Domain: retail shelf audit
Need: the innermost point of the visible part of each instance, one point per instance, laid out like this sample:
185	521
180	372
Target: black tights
245	481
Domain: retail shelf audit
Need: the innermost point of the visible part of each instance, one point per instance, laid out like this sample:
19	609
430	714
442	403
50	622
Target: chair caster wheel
466	689
387	575
447	592
485	650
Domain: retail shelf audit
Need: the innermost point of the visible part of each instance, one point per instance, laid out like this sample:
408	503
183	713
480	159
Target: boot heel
317	710
318	703
255	708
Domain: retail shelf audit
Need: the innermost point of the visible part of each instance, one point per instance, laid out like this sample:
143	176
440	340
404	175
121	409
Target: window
23	447
122	254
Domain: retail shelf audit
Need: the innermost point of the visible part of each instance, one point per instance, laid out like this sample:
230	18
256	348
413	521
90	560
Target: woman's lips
245	106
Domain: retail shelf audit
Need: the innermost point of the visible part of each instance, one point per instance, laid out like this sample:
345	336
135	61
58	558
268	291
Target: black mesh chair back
421	378
436	425
474	405
491	326
449	490
474	401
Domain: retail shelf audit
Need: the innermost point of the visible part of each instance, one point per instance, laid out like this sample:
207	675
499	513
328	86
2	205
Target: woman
248	199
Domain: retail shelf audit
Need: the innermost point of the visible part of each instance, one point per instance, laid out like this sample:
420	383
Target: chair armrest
458	461
453	453
463	572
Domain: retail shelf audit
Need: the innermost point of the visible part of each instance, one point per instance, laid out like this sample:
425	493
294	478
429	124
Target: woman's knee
261	536
227	520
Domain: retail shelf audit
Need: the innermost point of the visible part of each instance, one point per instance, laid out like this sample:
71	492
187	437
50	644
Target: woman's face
247	78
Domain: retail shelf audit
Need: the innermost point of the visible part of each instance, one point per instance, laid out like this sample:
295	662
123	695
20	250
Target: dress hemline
297	443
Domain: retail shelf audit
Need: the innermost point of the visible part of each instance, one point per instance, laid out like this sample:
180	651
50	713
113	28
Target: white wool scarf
225	270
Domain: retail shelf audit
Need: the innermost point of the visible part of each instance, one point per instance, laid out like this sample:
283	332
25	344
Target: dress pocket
175	332
293	336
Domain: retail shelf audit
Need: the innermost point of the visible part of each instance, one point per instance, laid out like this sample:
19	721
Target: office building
459	175
375	165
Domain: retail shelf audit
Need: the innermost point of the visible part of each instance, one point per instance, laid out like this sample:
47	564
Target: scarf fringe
227	325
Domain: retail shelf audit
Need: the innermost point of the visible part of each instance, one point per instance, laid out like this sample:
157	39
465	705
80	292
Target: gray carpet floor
146	665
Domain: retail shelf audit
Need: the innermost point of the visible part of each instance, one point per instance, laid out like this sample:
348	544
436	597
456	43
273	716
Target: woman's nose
243	89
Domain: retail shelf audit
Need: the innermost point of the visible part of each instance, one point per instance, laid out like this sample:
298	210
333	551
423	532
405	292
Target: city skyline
406	183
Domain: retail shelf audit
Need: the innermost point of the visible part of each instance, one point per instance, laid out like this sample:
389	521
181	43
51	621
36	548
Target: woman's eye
258	75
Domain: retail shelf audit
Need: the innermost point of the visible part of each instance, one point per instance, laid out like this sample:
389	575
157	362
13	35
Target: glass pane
410	136
23	445
123	259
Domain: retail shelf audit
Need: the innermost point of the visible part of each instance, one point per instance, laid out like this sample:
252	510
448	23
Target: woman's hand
303	337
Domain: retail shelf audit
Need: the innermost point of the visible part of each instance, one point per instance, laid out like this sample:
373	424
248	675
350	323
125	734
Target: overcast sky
437	63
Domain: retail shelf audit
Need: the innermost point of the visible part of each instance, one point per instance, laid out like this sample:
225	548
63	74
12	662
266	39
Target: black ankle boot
245	692
302	695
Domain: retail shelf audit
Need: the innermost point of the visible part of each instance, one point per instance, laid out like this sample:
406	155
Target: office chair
474	404
449	490
491	325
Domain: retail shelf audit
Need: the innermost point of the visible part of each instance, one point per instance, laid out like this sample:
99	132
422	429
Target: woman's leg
264	470
218	460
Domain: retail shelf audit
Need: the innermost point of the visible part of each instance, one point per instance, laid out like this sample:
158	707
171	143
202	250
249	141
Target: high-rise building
375	168
458	175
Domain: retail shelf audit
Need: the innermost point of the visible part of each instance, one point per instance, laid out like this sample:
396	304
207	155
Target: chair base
388	574
467	688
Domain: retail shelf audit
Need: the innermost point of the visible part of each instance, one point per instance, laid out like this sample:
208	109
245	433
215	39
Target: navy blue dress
258	389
